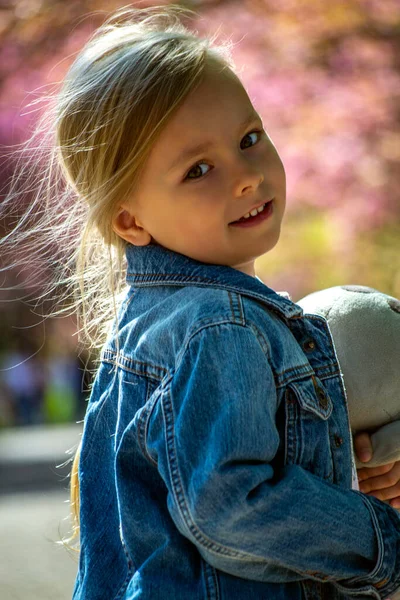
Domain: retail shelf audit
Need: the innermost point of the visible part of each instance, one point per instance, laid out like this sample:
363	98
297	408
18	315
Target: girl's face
189	197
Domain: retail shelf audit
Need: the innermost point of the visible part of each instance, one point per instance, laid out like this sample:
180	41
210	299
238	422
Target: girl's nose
247	177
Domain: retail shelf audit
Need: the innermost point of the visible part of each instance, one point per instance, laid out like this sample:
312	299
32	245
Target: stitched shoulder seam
215	324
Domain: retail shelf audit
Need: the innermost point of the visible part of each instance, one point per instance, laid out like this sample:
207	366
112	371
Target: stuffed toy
365	327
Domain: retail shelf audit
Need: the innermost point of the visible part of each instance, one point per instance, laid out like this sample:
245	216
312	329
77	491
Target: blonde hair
86	156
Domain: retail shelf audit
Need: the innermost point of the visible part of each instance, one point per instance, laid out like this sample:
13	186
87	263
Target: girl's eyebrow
188	153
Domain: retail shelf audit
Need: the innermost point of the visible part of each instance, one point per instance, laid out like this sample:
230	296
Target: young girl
215	461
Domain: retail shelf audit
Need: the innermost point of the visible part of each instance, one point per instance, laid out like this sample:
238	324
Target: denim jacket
216	450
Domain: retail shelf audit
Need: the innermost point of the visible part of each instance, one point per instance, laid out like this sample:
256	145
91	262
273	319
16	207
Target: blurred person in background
23	379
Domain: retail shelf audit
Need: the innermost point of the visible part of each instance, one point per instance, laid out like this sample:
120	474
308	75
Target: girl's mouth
255	217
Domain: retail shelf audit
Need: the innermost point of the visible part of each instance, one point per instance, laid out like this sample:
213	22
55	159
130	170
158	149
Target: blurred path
32	567
34	512
36	457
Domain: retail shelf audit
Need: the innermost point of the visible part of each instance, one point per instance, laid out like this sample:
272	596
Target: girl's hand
382	482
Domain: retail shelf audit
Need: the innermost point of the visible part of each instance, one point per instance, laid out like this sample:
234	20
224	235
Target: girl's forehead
219	105
218	83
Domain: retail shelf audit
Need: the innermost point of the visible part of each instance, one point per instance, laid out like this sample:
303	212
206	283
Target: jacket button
323	400
322	397
309	345
338	440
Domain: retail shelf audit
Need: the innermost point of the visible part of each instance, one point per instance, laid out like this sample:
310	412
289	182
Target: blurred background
325	78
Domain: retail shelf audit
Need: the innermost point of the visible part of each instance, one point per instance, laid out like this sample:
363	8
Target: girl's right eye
196	166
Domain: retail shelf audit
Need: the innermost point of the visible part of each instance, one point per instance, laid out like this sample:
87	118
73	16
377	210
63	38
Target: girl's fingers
368	472
389	493
388	482
395	502
363	446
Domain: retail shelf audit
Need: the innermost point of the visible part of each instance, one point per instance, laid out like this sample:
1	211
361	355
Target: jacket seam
290	439
261	340
378	533
111	357
235	296
131	571
141	280
200	329
178	277
212	589
143	426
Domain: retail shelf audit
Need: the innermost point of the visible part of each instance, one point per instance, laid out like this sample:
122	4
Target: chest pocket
307	411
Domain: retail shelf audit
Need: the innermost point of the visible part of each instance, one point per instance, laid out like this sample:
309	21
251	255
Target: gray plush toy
365	327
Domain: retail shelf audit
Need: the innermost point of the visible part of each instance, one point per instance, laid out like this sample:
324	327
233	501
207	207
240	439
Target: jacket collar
155	265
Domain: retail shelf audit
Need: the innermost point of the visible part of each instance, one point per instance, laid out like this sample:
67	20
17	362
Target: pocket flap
312	396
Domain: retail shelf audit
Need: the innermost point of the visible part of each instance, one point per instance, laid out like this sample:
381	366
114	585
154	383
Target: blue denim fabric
216	452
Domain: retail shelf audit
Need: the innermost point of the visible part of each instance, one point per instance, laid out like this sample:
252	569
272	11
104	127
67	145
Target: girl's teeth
254	212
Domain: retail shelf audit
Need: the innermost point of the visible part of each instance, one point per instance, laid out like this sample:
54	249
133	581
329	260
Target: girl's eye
257	133
196	167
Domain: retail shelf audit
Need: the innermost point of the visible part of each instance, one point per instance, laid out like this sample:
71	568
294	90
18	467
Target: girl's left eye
256	132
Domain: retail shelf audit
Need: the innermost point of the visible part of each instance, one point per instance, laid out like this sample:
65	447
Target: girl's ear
127	226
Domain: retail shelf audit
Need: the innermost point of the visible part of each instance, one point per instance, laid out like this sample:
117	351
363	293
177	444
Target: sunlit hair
86	155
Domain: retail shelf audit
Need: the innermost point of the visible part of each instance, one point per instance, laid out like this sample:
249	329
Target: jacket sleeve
214	436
